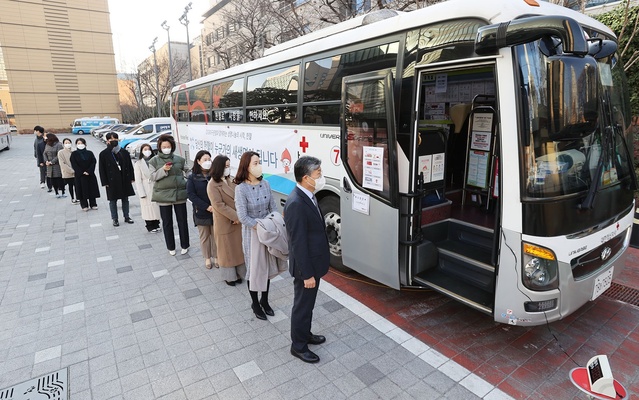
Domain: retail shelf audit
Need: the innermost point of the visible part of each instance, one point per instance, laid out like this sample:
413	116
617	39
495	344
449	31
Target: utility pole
184	20
167	27
157	78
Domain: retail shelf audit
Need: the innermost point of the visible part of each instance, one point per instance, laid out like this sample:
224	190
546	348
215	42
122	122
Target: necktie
317	206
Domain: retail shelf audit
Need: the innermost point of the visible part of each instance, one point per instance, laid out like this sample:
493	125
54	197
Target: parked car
134	147
100	132
13	128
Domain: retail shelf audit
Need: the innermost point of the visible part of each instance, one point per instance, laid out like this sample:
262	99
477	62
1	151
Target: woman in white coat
144	185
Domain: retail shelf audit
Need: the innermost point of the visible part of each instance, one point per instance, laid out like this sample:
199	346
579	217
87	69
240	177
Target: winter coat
144	186
38	149
86	186
116	173
64	158
170	186
269	250
228	236
196	186
51	155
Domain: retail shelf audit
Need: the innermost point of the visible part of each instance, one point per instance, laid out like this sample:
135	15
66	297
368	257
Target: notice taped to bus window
373	168
425	166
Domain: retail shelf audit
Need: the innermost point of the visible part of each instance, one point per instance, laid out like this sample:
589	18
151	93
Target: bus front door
369	201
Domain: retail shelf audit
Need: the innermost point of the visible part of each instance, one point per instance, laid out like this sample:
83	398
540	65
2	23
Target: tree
624	21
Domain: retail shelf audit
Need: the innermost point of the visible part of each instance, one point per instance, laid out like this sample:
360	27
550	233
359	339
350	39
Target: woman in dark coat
54	172
202	210
86	184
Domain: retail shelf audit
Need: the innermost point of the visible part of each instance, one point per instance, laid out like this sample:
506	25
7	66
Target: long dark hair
218	167
52	139
144	146
242	171
197	168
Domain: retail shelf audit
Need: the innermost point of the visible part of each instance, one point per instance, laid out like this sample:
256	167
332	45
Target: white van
145	129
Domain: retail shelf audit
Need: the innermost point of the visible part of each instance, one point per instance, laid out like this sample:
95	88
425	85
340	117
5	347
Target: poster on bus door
277	147
373	168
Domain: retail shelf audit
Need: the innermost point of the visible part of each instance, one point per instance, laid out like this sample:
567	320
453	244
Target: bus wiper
589	200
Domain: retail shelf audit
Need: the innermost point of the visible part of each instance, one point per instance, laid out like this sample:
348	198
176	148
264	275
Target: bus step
463	292
477	256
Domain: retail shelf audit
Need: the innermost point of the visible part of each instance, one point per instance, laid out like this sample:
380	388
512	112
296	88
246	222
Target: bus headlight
540	271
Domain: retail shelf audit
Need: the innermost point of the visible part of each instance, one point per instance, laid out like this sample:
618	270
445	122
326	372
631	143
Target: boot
255	305
264	300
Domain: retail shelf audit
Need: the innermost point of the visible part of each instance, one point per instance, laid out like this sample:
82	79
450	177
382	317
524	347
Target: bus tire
331	210
80	132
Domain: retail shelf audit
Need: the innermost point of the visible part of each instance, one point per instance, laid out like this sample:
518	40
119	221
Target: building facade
59	61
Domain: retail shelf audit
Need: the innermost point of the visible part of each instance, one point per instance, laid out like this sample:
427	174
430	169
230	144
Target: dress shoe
267	309
307	356
259	313
316	339
232	283
239	280
116	223
128	220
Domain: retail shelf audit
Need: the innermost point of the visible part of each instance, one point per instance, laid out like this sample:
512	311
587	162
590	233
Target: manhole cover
619	292
52	387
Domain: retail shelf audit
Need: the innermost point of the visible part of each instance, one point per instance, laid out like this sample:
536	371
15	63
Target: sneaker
184	251
172	252
85	209
57	196
63	195
94	207
156	230
116	223
42	185
50	190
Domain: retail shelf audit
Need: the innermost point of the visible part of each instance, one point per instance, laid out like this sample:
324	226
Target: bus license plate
602	283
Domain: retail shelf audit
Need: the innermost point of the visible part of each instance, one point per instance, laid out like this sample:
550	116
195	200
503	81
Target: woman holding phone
168	171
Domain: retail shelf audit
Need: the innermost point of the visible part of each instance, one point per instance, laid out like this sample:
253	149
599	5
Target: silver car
135	147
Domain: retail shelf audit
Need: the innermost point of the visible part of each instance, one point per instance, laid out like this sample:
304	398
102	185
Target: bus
475	148
85	124
5	130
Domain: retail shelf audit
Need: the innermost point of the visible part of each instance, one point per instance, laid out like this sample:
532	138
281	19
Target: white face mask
256	170
67	145
166	151
227	171
319	183
80	146
147	153
206	164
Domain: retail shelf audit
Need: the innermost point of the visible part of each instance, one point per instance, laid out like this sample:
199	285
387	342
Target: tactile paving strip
623	293
51	387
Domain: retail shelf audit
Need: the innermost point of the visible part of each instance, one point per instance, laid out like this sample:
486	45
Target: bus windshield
572	130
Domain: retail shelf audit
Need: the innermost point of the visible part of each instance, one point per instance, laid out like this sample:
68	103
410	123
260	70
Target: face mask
206	164
113	143
319	183
80	146
227	171
256	170
67	145
166	151
147	153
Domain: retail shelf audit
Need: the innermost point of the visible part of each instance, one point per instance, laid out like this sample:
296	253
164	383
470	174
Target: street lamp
167	27
157	79
184	20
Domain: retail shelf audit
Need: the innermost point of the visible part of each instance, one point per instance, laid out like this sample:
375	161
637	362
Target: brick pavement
129	321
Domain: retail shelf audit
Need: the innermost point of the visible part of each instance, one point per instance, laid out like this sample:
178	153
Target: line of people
240	230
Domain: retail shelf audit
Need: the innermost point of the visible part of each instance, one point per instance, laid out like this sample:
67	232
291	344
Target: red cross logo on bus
304	144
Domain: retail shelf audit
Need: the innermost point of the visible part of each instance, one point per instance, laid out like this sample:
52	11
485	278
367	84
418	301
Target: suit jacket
308	254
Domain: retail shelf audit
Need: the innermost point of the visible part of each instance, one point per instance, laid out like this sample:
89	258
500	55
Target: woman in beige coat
144	185
226	227
68	175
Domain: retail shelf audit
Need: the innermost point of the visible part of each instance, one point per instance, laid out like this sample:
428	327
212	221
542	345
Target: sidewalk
127	320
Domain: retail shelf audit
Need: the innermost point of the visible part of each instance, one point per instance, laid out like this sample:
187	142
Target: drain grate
623	293
51	387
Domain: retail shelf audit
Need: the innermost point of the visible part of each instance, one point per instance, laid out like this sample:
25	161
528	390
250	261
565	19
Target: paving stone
124	269
53	285
37	277
141	315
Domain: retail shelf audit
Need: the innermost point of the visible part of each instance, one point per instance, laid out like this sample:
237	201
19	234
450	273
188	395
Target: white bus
5	130
476	148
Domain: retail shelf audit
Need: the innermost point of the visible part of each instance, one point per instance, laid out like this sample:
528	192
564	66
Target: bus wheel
80	132
333	221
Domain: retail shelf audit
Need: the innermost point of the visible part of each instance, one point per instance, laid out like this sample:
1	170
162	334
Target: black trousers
302	314
43	173
70	182
167	225
152	224
58	184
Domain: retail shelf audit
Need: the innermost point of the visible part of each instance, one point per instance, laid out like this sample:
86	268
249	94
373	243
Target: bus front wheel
332	219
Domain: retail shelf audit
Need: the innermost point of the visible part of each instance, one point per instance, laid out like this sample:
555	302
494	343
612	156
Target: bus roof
342	34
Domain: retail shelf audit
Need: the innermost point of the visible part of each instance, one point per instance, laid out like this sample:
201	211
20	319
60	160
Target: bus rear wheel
333	220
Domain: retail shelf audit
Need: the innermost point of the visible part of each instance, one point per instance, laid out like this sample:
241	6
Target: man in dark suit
308	253
116	174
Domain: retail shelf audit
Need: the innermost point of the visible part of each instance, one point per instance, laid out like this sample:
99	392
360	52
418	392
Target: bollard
634	238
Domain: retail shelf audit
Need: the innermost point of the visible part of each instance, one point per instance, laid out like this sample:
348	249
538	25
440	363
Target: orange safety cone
634	238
